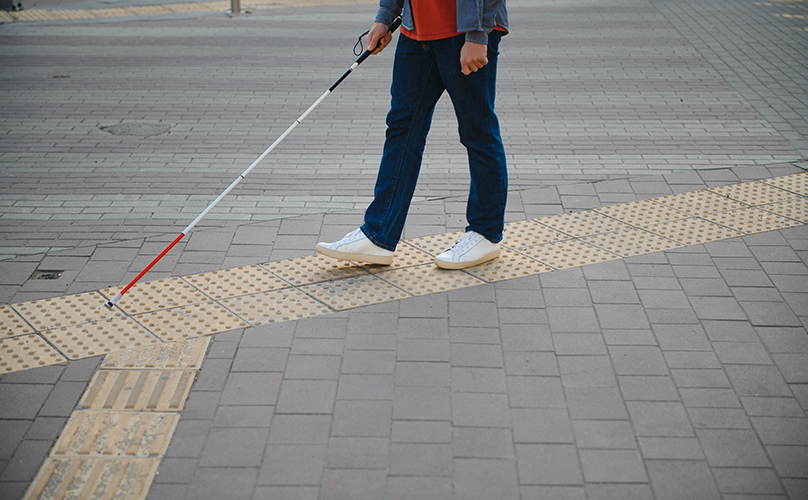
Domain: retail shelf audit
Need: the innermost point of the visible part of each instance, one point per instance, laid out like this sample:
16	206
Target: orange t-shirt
433	20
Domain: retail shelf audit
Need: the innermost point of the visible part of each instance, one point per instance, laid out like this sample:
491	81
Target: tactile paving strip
796	183
428	278
699	202
751	220
100	337
406	256
642	213
277	305
156	295
185	353
793	209
190	321
45	314
12	323
436	244
116	433
138	390
693	231
571	253
26	351
754	193
313	269
63	478
236	282
631	242
584	223
508	265
354	292
529	233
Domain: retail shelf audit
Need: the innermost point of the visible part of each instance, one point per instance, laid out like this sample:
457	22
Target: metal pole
235	6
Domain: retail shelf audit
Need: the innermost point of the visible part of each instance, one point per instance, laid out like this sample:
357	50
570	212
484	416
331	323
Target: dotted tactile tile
45	314
642	213
428	278
124	479
796	209
100	337
12	323
508	265
276	305
570	253
236	282
191	321
406	256
313	269
753	193
583	223
751	220
182	354
354	292
138	390
693	231
436	244
529	233
699	202
631	242
26	351
116	434
156	295
796	183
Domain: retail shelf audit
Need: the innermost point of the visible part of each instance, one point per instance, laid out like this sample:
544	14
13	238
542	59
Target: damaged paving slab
643	336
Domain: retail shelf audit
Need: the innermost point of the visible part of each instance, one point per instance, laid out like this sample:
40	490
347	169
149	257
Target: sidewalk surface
673	374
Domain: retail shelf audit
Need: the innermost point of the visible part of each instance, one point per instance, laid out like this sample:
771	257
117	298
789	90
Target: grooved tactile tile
12	323
527	233
796	209
642	213
428	278
276	305
45	314
313	269
354	292
751	220
700	202
583	223
138	390
79	478
116	433
796	183
206	318
571	253
156	295
508	265
182	354
26	351
693	231
631	242
100	337
753	193
236	282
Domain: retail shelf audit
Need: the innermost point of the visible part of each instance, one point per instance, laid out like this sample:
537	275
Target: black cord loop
360	44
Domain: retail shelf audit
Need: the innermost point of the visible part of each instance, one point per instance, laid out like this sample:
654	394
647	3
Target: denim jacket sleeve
475	18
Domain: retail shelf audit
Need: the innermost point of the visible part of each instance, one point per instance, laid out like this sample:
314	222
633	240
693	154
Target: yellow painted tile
191	321
26	351
642	213
570	253
699	202
436	244
631	242
276	305
693	231
116	434
508	265
751	220
796	209
795	183
528	233
236	282
56	312
583	223
354	292
138	390
428	278
12	323
121	479
313	269
100	337
156	295
181	354
754	193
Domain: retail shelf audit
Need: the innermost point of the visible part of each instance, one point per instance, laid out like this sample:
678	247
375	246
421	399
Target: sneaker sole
355	257
463	265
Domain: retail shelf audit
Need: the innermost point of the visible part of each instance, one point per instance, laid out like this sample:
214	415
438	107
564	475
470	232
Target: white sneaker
356	247
471	249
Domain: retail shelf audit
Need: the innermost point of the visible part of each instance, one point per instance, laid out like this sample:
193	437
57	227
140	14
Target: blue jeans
421	73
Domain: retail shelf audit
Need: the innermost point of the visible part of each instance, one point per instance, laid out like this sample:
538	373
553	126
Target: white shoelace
466	242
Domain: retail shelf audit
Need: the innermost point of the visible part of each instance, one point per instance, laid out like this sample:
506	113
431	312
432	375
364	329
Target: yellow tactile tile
182	354
428	278
236	282
156	295
583	223
693	231
751	220
313	269
406	255
571	253
436	244
138	390
631	242
754	193
642	213
99	337
700	202
508	265
795	183
276	305
26	351
354	292
796	209
529	233
116	433
63	478
56	312
190	321
12	323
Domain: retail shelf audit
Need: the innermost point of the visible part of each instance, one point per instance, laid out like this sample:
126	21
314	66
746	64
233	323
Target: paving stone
548	464
672	479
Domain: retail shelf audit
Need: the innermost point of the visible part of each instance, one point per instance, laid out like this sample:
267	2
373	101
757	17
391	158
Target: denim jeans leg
416	88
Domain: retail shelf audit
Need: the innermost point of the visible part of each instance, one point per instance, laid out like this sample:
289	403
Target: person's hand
378	37
473	56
